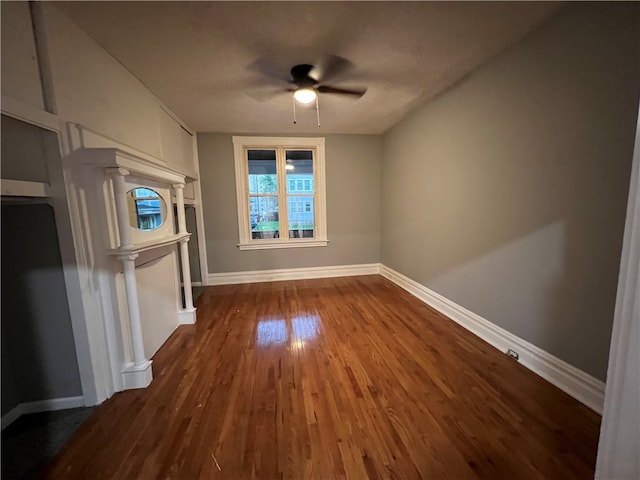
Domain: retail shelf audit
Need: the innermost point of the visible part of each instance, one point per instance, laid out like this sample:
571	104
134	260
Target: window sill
269	245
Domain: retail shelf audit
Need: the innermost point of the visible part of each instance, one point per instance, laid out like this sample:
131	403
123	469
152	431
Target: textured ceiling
202	58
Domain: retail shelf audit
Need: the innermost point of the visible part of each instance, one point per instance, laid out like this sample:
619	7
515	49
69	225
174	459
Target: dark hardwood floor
332	378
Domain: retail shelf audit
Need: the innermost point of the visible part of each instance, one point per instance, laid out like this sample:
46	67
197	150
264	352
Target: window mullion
283	216
246	221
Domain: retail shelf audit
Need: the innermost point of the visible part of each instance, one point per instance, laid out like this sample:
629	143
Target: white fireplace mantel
136	165
123	171
150	245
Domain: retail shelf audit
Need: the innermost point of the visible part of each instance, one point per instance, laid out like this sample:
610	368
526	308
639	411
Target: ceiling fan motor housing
300	75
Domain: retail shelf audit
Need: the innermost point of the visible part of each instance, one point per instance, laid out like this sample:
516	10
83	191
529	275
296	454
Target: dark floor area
32	440
197	291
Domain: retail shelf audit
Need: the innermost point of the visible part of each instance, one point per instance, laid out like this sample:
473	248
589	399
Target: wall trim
187	316
21	188
229	278
137	376
573	381
48	405
30	114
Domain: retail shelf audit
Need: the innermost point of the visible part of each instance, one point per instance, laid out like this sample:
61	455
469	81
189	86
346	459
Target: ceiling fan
306	80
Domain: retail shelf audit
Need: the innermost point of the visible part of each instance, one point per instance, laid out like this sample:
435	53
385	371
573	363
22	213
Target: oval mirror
147	209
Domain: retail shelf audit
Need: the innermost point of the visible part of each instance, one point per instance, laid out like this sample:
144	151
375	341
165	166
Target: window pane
262	171
301	217
149	213
144	193
263	213
299	171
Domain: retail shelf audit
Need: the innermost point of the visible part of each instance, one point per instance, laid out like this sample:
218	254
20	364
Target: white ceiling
200	57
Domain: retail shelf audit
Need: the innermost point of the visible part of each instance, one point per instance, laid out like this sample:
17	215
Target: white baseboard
187	316
292	274
41	406
580	385
137	376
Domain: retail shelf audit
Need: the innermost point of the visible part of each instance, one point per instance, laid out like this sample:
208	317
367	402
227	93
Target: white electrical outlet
513	354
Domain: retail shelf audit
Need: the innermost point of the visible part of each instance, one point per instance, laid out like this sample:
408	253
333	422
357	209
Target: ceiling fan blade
269	69
342	91
330	66
265	94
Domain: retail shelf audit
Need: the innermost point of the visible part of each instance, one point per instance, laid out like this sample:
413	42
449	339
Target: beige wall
24	150
507	193
18	58
353	207
94	90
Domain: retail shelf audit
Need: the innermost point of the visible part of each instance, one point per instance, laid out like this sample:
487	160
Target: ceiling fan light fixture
305	95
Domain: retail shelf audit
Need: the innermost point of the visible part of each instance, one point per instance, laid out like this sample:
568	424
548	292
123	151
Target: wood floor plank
331	378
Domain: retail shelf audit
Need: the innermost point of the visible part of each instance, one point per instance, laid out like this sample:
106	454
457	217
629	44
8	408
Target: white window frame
240	146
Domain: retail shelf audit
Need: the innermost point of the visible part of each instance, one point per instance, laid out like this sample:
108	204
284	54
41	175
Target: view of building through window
148	208
264	195
281	194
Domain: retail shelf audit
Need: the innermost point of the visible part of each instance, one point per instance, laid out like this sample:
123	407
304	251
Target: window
280	192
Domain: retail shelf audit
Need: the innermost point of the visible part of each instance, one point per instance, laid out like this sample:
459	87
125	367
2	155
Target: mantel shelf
150	245
136	164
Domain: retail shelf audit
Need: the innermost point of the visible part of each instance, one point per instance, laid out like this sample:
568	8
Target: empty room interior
322	239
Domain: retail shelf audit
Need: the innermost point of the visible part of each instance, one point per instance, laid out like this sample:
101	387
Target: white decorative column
120	194
138	374
188	315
